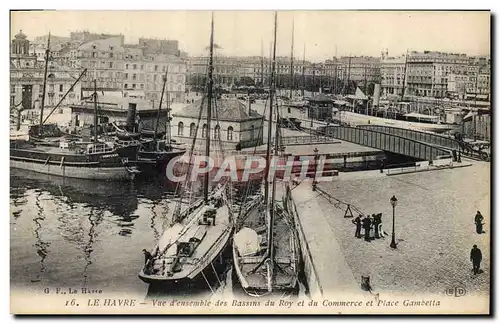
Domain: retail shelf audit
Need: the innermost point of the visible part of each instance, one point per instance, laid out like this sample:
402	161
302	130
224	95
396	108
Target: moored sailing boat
75	159
265	247
201	231
154	153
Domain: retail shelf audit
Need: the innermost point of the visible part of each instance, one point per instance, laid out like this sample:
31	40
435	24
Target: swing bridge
416	144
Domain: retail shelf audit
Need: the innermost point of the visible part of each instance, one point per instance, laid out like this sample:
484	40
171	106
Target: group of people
372	226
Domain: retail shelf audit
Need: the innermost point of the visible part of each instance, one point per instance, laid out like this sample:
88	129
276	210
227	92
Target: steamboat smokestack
132	107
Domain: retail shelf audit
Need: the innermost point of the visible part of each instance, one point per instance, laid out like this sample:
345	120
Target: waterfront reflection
91	234
82	232
40	245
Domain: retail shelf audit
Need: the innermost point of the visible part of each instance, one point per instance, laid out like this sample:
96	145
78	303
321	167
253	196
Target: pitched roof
223	109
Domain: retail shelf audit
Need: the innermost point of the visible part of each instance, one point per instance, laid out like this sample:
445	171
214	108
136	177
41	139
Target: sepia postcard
250	162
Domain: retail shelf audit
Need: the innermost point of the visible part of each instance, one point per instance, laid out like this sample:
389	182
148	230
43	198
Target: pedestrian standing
476	257
367	223
376	224
147	256
357	222
479	222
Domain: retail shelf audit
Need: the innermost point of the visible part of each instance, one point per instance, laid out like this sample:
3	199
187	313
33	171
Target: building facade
160	46
427	72
27	80
237	127
392	71
104	60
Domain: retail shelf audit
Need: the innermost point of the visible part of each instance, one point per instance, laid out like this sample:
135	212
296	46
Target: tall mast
209	105
349	73
270	58
335	75
270	234
262	62
47	53
335	78
95	111
303	70
167	124
269	128
366	79
291	64
404	76
161	100
476	111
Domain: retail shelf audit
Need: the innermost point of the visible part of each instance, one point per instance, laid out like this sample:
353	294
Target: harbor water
74	233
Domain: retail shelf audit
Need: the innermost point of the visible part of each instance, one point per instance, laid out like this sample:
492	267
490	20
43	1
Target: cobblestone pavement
434	225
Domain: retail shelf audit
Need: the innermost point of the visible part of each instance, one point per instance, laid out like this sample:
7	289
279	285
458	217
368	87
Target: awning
422	116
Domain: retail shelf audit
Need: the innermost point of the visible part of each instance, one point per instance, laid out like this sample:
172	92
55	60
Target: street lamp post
394	201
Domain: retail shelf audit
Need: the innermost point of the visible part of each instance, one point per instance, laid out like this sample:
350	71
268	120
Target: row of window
97	54
154	87
155	77
155	68
101	65
192	131
51	88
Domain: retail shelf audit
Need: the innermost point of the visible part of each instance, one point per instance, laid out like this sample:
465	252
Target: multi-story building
466	86
27	79
427	72
392	71
227	70
231	70
360	69
175	69
457	85
134	73
160	46
86	36
144	76
104	60
54	40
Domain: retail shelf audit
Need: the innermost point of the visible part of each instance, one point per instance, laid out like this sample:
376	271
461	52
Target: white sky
241	32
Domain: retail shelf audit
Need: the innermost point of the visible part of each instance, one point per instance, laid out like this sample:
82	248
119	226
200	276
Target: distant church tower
20	45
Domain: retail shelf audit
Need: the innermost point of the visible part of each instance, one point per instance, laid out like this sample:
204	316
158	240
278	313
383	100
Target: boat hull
195	274
286	259
205	240
94	173
156	162
111	164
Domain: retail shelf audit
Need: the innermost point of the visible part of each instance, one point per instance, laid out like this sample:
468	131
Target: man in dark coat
357	222
147	256
367	223
479	222
376	223
475	257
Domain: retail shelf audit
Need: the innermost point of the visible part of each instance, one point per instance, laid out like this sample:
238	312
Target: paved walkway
333	274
